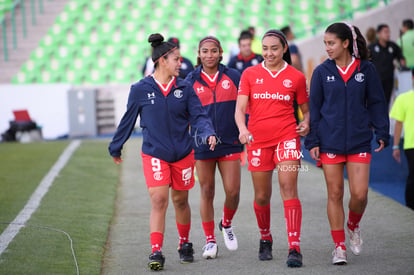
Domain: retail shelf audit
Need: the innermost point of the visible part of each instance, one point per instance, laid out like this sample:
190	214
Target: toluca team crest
225	84
178	93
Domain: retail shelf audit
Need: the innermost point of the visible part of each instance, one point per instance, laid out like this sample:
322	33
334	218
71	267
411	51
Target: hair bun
155	39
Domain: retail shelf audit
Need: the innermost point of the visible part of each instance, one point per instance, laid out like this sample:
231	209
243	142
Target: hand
303	128
246	138
314	152
396	155
381	146
117	160
212	142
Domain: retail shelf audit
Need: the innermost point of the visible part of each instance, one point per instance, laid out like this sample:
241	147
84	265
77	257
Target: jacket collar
196	75
179	83
330	65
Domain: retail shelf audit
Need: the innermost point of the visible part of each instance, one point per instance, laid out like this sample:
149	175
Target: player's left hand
212	142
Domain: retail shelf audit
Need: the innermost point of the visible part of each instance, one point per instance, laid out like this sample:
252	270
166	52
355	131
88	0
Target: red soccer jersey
271	98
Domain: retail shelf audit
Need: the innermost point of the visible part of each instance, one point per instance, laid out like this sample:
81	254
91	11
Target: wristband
395	147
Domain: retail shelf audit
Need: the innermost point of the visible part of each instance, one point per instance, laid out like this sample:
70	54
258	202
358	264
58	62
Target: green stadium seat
280	20
303	21
121	75
87	52
23	77
328	10
304	6
71	76
281	7
76	5
98	76
40	53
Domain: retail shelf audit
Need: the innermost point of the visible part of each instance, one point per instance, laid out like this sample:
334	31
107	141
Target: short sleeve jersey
271	96
402	110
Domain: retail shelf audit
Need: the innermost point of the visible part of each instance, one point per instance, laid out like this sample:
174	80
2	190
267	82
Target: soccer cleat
265	250
230	239
355	241
339	256
186	253
156	261
210	251
294	258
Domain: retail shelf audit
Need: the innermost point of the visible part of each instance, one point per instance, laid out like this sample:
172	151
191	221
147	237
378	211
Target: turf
80	202
22	167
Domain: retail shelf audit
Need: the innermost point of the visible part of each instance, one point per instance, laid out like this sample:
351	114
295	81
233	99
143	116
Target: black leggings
409	188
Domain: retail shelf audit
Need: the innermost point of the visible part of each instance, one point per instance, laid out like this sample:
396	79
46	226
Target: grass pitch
80	202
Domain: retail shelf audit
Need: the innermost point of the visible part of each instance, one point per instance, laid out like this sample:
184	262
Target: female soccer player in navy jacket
216	86
167	106
346	104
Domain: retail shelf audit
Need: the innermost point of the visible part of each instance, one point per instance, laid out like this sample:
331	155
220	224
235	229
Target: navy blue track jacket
343	115
220	105
165	120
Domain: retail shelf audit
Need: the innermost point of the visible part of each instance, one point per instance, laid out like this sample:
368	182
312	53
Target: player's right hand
314	152
117	160
246	138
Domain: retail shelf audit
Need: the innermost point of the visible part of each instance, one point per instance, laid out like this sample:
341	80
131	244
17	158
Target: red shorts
266	159
179	175
329	158
234	156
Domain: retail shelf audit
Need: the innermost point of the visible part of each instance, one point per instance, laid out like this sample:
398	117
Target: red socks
338	237
293	216
157	238
263	220
209	231
228	215
183	232
353	220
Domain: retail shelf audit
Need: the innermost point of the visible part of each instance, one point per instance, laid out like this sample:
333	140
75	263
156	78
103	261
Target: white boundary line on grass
31	206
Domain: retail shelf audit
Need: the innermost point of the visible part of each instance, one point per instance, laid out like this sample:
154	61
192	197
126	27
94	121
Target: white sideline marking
31	206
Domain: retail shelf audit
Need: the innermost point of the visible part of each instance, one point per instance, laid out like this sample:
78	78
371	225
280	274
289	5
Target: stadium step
25	45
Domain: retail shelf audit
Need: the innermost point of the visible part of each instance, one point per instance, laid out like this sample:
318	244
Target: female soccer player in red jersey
346	103
216	86
167	107
273	137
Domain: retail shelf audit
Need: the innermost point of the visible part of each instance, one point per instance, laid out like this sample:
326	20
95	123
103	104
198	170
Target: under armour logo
200	90
292	234
259	81
330	78
151	95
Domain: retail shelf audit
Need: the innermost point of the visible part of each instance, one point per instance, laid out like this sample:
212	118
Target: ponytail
357	43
